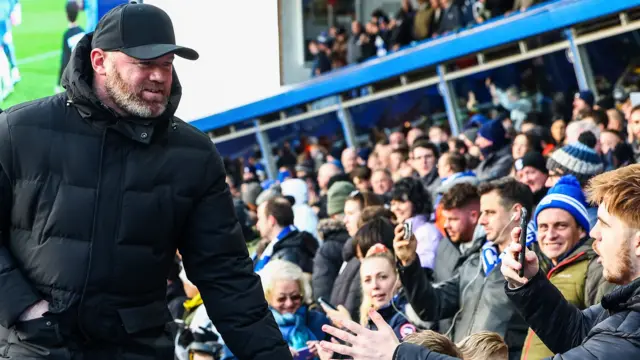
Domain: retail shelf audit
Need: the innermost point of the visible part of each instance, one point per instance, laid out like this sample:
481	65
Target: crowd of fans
331	226
385	33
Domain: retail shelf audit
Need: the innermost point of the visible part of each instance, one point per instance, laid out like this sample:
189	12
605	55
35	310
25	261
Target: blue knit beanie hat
567	195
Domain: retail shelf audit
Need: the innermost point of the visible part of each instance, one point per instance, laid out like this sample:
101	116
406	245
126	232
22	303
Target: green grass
38	42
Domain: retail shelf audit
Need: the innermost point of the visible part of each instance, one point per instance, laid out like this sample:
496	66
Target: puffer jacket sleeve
326	266
217	261
603	346
559	324
430	303
17	292
407	351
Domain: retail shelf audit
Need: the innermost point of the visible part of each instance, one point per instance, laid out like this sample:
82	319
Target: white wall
293	67
238	46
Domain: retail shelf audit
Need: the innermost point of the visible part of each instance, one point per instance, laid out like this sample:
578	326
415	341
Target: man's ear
98	61
516	212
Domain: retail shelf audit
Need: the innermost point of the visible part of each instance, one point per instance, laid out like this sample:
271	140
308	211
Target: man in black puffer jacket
611	328
98	188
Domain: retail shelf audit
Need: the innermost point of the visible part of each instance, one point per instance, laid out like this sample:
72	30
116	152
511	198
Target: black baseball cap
141	31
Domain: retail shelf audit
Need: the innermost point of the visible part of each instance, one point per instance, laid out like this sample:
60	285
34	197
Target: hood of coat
332	230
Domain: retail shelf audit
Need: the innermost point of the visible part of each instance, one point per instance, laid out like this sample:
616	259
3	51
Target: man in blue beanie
496	153
583	102
562	230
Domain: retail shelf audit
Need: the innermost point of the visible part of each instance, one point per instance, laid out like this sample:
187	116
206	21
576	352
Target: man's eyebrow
602	221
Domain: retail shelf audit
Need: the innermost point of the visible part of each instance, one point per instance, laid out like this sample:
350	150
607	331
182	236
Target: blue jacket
395	315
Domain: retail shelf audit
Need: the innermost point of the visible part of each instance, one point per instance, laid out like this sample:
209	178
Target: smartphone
303	354
523	240
408	230
325	303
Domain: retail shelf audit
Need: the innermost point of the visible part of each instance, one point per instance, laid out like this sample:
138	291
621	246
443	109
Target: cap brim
154	51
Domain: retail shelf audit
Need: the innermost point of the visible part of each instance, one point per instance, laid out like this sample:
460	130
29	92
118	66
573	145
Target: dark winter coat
611	328
93	207
298	247
328	260
346	289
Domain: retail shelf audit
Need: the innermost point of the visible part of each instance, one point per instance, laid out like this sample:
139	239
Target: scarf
268	252
294	328
490	257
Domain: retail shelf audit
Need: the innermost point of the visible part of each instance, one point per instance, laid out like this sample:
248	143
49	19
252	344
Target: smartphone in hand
523	240
408	230
327	304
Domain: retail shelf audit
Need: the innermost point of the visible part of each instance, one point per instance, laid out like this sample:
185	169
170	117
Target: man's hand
35	311
365	344
405	249
511	262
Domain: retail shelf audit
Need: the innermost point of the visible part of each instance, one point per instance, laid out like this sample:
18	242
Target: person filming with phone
474	297
562	223
602	330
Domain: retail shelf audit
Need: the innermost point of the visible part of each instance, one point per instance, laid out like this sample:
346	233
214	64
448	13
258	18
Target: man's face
495	218
395	160
139	87
352	212
617	246
363	185
444	170
482	142
423	160
413	135
634	124
558	233
460	224
608	141
381	183
579	105
265	223
349	160
533	178
437	136
396	140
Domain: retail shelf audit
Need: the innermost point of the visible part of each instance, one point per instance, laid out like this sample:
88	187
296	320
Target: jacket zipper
475	309
93	235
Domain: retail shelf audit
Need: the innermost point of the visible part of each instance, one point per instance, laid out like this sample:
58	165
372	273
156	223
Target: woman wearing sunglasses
288	294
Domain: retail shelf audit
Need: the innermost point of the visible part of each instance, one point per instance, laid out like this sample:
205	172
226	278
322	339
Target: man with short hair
275	222
608	329
474	296
381	182
92	212
452	170
423	159
349	159
562	226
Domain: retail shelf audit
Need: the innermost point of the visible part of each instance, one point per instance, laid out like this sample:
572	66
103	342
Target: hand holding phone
325	303
523	240
303	354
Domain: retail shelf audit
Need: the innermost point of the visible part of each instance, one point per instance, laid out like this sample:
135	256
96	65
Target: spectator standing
563	226
452	18
474	297
611	327
286	242
496	153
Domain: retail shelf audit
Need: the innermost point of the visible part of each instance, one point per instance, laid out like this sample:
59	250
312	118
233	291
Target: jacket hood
332	230
300	240
296	188
77	80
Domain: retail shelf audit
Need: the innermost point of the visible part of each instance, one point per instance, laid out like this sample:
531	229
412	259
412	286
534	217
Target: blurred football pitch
38	42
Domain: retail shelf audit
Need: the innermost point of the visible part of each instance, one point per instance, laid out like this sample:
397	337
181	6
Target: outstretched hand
365	344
